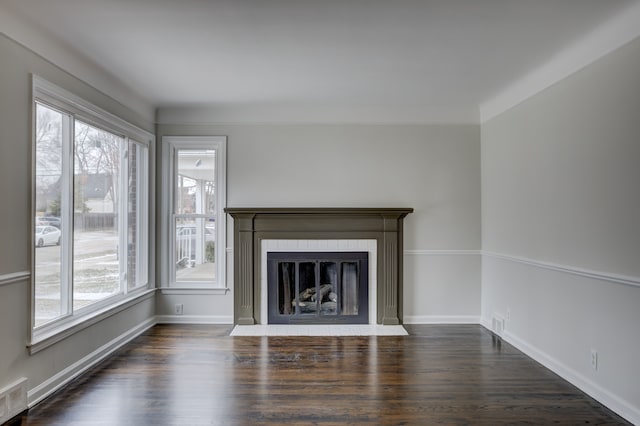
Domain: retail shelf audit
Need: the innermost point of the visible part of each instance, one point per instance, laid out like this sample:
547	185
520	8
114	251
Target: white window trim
47	334
143	234
167	231
86	111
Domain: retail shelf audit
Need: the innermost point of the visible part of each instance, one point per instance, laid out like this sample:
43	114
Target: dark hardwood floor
198	375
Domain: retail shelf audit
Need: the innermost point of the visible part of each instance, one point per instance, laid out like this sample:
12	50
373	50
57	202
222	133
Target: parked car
50	220
47	235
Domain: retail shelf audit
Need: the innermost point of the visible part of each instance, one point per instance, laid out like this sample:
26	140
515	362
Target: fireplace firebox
317	287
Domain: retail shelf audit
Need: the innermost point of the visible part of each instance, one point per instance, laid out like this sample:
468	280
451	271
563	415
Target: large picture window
90	209
195	198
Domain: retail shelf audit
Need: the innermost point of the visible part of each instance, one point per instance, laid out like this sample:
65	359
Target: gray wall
434	169
16	225
561	230
559	226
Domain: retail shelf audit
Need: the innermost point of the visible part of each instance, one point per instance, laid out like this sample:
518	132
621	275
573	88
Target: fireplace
255	226
317	287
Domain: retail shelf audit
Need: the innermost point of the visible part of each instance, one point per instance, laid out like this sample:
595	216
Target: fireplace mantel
254	224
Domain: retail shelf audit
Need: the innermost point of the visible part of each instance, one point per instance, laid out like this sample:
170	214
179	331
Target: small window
195	205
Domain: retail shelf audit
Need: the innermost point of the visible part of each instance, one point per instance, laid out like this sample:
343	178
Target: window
194	200
90	209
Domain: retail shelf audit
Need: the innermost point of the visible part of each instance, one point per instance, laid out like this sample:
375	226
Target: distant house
96	192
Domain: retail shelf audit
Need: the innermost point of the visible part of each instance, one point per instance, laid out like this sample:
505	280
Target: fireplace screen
318	287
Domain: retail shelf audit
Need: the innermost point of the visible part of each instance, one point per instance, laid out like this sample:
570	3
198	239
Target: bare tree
110	152
48	146
97	152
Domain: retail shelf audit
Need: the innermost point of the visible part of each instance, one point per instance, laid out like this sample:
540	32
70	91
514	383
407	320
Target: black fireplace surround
318	287
251	225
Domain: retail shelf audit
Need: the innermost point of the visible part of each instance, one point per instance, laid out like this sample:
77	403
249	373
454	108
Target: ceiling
407	57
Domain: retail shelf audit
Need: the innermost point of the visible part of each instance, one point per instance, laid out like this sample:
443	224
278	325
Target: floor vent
13	399
497	324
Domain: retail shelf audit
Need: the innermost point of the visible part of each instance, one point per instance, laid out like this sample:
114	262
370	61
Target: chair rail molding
602	276
14	277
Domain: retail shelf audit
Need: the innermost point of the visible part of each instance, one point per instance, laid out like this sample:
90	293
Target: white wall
561	230
434	169
52	365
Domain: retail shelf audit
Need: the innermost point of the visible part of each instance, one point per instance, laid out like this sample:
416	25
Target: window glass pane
328	293
195	249
349	288
286	288
96	272
195	192
307	301
49	300
195	220
136	230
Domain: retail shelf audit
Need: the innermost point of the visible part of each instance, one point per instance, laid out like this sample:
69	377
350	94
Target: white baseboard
55	382
620	406
194	319
441	319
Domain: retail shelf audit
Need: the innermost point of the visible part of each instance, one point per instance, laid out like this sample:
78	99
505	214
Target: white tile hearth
319	330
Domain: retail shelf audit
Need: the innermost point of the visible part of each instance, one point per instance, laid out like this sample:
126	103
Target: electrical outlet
508	314
594	359
178	309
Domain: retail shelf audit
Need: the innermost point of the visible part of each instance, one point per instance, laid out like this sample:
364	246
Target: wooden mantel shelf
254	224
318	210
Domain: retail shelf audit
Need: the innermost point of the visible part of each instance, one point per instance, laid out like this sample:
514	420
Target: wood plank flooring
198	375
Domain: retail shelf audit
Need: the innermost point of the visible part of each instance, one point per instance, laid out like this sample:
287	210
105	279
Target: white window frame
76	108
142	232
170	145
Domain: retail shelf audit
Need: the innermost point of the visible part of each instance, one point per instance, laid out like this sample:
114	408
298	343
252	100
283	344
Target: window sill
51	337
194	290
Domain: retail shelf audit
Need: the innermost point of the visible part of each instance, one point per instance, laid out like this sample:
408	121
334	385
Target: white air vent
497	324
13	399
